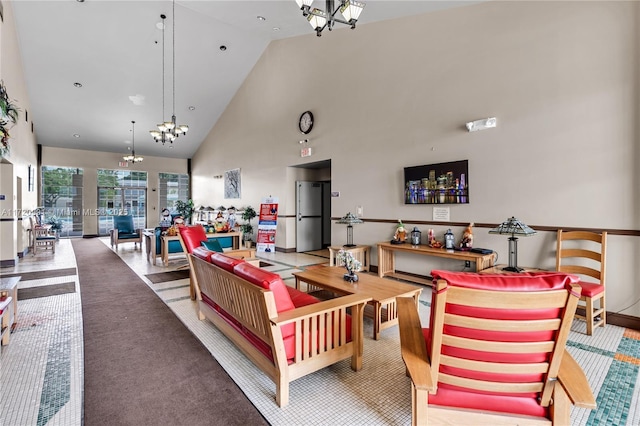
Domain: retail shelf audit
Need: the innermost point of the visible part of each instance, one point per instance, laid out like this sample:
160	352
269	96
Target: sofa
286	333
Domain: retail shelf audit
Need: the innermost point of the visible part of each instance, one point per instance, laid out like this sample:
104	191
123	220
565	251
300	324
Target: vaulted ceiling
114	50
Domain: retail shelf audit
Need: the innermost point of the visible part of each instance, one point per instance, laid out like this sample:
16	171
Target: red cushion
591	289
267	280
192	235
203	253
225	262
300	298
526	281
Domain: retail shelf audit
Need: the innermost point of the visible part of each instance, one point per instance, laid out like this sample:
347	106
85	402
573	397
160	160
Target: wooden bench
246	313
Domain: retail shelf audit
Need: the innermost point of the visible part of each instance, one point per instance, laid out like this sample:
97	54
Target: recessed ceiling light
192	108
78	85
75	135
276	28
261	18
80	1
223	47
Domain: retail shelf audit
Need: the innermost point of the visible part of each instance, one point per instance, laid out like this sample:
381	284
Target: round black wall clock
305	124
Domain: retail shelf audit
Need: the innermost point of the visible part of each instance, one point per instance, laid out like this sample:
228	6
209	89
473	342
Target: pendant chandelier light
133	158
320	19
168	131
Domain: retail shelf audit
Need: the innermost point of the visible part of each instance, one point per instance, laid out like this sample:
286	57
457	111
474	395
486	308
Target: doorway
313	206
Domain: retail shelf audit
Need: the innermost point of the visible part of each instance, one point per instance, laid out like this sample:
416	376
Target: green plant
247	215
55	222
185	209
8	114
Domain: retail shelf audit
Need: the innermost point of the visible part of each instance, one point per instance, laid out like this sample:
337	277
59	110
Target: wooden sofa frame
254	307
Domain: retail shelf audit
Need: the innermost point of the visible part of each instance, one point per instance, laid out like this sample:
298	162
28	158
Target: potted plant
247	229
56	225
8	114
185	209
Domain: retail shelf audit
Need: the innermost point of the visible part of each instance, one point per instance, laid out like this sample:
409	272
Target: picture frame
232	182
439	183
31	178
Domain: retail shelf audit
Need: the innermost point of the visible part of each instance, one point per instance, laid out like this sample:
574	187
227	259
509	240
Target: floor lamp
515	228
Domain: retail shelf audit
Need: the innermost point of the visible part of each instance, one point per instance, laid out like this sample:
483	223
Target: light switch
359	211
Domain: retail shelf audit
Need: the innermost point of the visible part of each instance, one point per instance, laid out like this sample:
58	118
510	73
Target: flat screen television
440	183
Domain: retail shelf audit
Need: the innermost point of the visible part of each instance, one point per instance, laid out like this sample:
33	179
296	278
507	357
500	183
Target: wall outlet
467	264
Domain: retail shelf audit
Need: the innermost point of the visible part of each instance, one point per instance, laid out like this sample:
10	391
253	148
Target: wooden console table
387	253
359	252
164	251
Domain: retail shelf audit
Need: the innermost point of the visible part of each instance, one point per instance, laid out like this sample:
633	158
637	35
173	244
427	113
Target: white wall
561	77
13	232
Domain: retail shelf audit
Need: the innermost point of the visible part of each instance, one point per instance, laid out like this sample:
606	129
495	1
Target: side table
497	269
9	286
359	252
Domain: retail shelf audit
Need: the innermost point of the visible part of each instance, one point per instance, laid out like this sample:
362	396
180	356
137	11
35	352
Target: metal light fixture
133	158
349	220
320	19
485	123
168	131
513	227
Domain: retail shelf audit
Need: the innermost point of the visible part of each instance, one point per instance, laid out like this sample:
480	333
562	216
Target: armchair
124	231
42	237
494	352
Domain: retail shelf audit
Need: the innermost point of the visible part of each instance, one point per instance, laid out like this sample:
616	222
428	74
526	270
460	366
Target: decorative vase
350	276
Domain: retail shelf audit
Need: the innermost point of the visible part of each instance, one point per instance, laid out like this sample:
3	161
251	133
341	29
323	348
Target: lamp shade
302	3
317	19
351	10
513	227
349	219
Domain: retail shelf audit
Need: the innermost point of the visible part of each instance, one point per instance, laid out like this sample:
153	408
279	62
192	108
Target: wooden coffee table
383	292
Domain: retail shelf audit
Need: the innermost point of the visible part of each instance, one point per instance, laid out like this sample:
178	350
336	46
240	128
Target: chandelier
320	19
168	131
133	158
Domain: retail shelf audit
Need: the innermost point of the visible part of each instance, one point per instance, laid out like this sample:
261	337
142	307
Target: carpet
142	366
39	275
46	290
161	277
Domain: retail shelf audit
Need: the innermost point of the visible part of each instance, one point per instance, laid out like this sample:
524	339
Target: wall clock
305	124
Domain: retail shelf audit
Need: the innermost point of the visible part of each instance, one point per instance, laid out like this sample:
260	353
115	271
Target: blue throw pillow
212	245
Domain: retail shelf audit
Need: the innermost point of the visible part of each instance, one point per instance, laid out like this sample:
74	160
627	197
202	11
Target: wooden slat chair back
494	350
584	253
43	238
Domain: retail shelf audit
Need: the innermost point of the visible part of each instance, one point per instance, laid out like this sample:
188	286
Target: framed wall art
440	183
232	183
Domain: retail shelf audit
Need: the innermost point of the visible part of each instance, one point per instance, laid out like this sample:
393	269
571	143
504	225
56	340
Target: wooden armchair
125	232
494	352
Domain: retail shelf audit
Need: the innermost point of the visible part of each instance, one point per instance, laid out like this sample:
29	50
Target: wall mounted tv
440	183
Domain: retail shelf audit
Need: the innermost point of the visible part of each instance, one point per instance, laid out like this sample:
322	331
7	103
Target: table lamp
349	220
513	227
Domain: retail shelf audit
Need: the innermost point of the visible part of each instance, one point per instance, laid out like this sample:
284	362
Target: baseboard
622	320
90	236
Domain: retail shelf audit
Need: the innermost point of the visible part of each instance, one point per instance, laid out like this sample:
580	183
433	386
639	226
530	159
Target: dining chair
584	253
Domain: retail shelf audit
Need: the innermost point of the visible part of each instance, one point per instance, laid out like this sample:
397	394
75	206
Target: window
121	192
173	187
62	199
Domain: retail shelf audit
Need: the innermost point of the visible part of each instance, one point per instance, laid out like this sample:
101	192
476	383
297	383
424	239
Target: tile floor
41	370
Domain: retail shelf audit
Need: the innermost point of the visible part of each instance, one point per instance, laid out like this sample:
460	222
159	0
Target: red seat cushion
591	289
225	262
193	236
